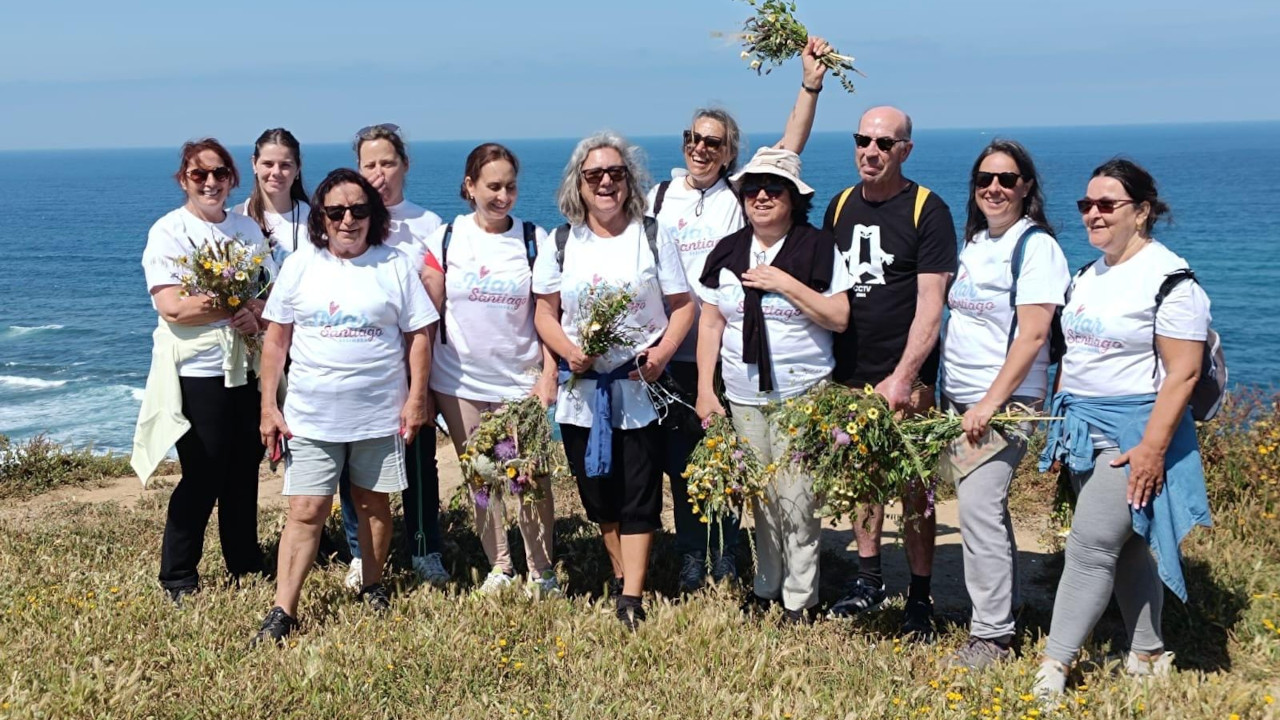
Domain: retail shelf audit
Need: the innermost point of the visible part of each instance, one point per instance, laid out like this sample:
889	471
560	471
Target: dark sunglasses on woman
884	143
359	211
617	173
1008	180
691	139
772	188
1105	206
199	175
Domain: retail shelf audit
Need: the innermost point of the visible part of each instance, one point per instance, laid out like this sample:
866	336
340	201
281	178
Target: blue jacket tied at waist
1183	502
599	460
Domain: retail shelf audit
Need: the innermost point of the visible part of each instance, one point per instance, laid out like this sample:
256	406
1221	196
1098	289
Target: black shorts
632	495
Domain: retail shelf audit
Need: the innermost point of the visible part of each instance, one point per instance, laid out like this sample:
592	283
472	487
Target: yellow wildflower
241	276
851	428
873	413
868	390
233	301
257	259
511	472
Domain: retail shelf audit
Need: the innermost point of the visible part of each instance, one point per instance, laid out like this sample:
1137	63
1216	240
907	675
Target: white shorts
312	467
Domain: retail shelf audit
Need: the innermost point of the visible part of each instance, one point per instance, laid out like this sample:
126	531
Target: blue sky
75	73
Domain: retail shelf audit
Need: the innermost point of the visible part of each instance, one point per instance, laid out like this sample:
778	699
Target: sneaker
917	621
376	597
630	612
725	569
755	606
275	627
495	582
544	586
355	575
1161	666
614	589
1051	680
693	574
430	569
801	617
178	595
862	596
979	653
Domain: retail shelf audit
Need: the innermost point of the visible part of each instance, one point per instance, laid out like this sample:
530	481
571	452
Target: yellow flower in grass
511	472
233	301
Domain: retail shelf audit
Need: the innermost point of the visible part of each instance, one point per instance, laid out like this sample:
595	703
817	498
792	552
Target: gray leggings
1104	556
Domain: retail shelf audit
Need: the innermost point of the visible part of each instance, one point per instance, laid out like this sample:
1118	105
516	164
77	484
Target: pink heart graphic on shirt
333	308
595	279
681	223
483	271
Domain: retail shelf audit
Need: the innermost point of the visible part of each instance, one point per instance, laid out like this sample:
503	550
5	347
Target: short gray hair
569	195
732	135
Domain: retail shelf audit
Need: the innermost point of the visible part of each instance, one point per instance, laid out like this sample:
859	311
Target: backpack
1057	339
650	233
1211	387
530	249
657	198
922	194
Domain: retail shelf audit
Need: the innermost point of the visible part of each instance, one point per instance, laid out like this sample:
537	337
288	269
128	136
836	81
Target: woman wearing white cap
772	293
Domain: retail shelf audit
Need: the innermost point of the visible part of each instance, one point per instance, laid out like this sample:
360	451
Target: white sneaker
1051	680
355	575
430	569
495	582
543	587
1161	666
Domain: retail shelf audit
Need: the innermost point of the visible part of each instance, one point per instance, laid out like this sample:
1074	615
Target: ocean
75	318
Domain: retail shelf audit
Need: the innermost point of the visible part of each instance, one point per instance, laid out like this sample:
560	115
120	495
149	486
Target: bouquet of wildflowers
227	271
603	314
773	35
723	474
512	449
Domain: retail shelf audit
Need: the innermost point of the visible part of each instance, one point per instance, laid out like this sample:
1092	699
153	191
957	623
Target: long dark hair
1032	205
379	218
1140	186
257	202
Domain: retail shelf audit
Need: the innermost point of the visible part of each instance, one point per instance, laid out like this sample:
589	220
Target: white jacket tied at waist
160	420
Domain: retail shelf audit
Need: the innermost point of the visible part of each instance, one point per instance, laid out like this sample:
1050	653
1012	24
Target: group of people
380	315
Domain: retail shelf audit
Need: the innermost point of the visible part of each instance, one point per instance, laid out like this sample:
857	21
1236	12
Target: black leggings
219	456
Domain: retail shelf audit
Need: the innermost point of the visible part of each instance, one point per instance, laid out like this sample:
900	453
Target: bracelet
806	88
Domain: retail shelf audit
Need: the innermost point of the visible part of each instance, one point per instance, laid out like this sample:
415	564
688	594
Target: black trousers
632	494
220	456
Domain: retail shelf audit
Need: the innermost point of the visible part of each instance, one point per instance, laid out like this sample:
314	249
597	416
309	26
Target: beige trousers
536	520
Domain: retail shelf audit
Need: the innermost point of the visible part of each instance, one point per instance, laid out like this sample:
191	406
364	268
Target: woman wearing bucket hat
698	206
772	293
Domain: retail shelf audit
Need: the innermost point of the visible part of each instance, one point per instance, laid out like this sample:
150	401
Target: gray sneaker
863	596
979	653
430	568
725	569
692	574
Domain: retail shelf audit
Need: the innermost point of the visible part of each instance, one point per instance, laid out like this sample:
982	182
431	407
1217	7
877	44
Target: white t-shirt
287	233
799	348
348	380
410	226
492	351
978	330
1108	323
171	236
697	220
626	259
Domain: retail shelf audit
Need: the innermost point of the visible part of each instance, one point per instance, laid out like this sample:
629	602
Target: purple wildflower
841	437
481	497
506	450
737	454
706	422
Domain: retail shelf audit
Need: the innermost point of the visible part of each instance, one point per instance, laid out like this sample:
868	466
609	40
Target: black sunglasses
691	139
199	175
359	211
1008	180
617	173
1106	207
884	143
773	188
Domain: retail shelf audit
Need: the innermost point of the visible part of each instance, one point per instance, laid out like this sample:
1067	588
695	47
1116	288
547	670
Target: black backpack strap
1171	281
530	242
444	264
662	193
651	234
1015	268
562	239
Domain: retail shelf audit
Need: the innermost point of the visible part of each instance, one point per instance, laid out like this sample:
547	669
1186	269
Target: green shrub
40	465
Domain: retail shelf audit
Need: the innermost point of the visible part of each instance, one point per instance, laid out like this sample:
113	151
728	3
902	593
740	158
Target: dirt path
948	580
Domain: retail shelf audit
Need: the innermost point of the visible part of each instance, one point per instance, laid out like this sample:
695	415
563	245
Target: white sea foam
23	329
32	383
137	393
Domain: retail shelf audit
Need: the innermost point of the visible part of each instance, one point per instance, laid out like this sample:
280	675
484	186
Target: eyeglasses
617	173
884	143
772	188
691	139
386	127
1008	180
199	175
359	211
1105	206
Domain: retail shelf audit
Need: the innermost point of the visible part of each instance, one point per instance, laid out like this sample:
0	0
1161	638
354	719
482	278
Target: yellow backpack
922	194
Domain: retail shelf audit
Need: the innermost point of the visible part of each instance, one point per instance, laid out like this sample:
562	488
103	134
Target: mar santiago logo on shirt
1084	330
342	326
964	296
866	258
487	287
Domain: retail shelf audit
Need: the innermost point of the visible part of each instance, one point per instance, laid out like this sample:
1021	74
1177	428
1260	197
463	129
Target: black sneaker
376	597
630	612
755	606
862	596
177	595
693	573
917	622
725	568
275	627
614	589
797	617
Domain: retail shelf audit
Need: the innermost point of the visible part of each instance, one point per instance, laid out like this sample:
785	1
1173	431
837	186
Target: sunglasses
884	143
1008	180
691	139
617	173
359	211
199	175
773	188
1106	207
386	127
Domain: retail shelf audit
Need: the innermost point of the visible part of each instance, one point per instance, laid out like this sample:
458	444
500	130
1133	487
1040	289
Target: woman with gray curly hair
608	423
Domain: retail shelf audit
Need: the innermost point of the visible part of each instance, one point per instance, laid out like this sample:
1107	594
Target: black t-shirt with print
885	251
